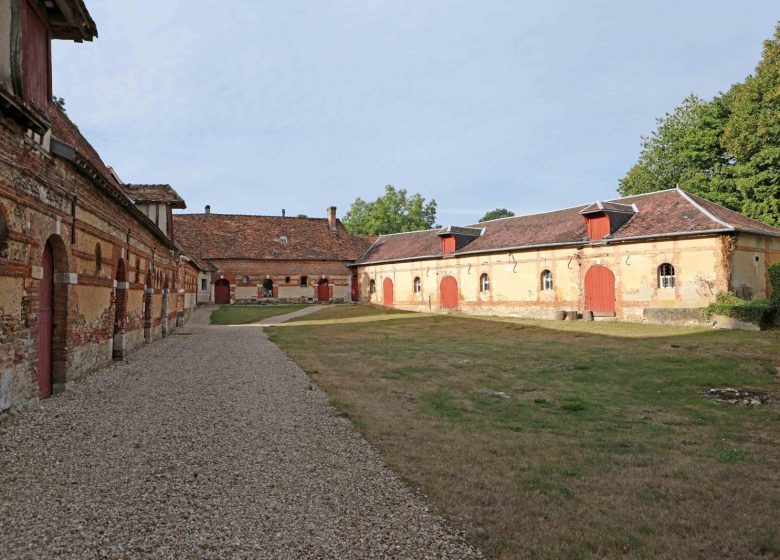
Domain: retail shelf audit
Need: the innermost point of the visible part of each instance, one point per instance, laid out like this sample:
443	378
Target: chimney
282	212
208	209
332	218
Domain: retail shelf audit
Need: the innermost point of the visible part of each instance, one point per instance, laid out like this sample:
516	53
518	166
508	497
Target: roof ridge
198	214
703	210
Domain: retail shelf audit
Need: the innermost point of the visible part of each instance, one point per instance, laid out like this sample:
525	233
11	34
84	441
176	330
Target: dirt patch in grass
244	314
585	442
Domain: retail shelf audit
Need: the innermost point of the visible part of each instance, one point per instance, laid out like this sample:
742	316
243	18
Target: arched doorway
46	323
222	292
322	290
52	316
600	290
355	287
449	292
387	292
120	310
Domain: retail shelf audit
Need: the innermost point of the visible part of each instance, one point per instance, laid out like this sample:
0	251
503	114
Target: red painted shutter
36	55
598	227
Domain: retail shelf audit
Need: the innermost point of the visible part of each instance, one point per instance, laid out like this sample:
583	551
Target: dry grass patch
583	441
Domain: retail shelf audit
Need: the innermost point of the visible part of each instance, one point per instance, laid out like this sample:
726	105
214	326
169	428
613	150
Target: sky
253	106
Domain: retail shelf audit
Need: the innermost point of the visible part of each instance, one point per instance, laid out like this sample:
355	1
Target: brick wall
36	204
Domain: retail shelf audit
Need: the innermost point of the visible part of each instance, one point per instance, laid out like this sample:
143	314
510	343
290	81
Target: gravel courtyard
207	444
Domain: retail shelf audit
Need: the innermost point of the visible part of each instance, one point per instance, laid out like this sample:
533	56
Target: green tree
393	212
726	150
497	213
752	136
685	151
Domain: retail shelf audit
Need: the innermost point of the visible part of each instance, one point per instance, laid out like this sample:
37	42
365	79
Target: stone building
85	274
661	256
271	257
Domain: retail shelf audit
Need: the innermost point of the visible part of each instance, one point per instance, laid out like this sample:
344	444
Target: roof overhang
70	20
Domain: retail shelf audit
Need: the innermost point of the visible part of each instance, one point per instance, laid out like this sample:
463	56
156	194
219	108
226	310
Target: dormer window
605	218
36	57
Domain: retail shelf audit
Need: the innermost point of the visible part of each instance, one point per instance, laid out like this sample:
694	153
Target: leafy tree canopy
726	150
497	213
393	212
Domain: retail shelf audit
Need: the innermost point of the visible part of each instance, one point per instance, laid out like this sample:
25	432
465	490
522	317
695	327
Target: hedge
758	311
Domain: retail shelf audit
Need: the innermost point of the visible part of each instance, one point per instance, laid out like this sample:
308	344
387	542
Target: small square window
304	281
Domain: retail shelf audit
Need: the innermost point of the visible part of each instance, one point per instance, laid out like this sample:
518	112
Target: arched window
547	280
484	283
666	276
417	285
245	280
98	259
372	287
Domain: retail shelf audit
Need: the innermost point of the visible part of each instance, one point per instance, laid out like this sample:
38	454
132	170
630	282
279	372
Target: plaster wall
516	278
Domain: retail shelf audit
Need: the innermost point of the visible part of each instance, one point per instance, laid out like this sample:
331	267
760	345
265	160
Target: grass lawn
243	314
338	312
565	440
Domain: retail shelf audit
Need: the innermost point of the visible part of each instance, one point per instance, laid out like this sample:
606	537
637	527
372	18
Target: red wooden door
355	288
46	324
322	290
600	289
449	293
387	292
222	292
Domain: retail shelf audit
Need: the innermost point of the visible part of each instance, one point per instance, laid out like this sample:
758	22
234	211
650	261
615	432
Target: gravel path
208	444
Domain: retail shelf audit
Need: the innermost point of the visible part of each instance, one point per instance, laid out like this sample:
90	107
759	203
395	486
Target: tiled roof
66	130
225	236
155	193
660	214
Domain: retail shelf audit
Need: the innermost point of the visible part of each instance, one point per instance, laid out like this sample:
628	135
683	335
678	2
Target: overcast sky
253	106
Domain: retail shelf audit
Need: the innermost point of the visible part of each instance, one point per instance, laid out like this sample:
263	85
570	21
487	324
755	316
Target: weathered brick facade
116	278
273	257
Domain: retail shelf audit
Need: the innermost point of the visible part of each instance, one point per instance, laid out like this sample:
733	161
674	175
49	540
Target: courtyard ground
244	314
210	443
564	439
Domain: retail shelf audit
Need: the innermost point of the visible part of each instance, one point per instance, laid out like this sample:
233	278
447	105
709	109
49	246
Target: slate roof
230	236
155	193
670	213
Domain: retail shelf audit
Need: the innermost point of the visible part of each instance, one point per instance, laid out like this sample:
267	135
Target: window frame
484	283
417	285
371	286
547	281
665	279
304	281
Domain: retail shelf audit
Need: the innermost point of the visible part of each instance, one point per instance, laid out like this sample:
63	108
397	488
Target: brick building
661	256
85	274
273	257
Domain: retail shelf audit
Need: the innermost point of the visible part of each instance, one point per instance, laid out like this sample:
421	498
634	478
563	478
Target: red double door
600	290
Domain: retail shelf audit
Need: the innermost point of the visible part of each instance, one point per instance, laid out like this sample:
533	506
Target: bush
774	282
758	311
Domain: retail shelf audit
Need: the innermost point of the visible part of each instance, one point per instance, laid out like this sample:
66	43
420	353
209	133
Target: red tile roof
155	193
66	130
226	236
660	214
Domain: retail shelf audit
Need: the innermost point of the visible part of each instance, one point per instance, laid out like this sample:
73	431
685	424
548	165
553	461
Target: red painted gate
449	292
600	290
387	292
46	324
355	288
322	290
222	292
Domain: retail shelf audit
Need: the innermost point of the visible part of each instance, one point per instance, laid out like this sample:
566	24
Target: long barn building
87	273
658	257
